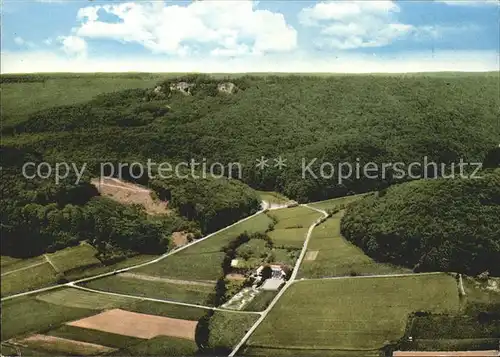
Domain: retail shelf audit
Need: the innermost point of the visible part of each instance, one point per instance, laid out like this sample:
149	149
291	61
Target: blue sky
246	36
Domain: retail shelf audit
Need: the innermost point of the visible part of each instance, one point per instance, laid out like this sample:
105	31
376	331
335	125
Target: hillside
335	119
431	225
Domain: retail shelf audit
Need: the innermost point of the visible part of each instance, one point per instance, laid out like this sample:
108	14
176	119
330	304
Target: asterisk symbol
262	163
280	162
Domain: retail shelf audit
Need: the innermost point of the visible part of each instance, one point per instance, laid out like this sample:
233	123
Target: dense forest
335	119
39	216
431	225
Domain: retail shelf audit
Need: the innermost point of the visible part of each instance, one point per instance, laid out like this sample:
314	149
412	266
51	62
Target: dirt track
166	280
138	325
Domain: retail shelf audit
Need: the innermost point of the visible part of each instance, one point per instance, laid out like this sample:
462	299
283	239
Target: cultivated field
296	217
19	275
64	346
73	297
34	277
272	197
203	261
94	336
291	226
74	257
352	314
329	254
9	264
27	315
134	324
162	346
194	293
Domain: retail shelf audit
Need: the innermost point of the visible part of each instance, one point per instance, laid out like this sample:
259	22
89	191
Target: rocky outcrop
227	87
183	87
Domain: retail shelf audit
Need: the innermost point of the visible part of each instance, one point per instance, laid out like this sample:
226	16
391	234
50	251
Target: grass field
226	330
9	264
167	310
72	297
292	226
296	217
83	272
74	257
190	293
203	261
352	313
272	197
27	314
34	277
336	202
273	352
261	301
161	346
291	237
94	336
338	257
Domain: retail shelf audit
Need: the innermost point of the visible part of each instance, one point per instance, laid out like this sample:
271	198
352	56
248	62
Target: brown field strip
311	255
63	345
138	325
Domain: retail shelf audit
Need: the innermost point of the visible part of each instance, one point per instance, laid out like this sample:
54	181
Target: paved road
160	300
103	275
285	287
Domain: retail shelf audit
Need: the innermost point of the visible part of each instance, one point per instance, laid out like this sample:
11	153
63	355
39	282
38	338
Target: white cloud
219	27
73	45
355	24
469	61
23	43
469	2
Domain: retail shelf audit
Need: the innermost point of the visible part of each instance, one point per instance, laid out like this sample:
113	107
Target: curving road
94	277
285	287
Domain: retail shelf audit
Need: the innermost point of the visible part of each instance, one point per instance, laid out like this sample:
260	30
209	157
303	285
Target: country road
285	287
265	206
95	277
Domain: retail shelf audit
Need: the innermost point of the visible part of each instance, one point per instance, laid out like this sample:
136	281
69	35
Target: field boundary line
311	348
24	268
160	300
103	275
287	285
370	276
51	263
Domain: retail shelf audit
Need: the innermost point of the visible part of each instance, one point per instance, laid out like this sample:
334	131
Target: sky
249	36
